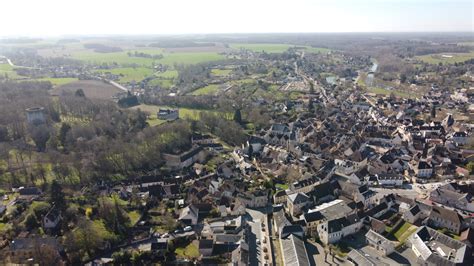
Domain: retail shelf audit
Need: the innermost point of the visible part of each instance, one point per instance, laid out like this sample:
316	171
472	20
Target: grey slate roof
294	251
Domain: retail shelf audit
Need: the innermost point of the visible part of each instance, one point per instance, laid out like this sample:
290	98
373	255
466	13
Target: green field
438	58
169	74
275	47
189	58
262	47
165	83
395	92
59	81
129	74
122	58
6	69
187	113
221	72
209	89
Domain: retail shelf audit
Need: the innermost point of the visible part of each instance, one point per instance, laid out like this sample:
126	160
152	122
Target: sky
96	17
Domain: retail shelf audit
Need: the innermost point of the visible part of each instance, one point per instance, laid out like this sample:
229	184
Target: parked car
188	229
178	231
165	235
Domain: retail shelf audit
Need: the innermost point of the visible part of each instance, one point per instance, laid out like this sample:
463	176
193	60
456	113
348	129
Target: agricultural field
262	47
275	47
446	58
92	89
122	58
209	89
59	81
129	74
188	58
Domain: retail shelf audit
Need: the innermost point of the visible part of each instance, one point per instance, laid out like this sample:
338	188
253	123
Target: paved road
317	256
115	84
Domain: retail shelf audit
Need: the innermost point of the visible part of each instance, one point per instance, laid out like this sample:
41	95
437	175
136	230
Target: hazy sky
55	17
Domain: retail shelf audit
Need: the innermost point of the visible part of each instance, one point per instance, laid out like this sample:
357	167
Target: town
303	150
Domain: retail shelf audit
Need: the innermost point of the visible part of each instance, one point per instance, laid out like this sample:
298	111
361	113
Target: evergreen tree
57	197
238	116
311	106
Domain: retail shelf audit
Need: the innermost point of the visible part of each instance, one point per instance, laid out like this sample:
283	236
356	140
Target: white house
334	230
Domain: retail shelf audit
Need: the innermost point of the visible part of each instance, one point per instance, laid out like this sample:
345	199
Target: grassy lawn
191	251
4	227
134	216
189	58
281	186
451	59
209	89
129	74
6	69
193	114
404	232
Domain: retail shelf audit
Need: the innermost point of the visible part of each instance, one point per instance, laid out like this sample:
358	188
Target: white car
188	229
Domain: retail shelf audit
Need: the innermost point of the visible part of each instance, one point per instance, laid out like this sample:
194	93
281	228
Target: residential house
256	199
240	255
434	248
445	218
460	137
322	192
424	169
168	114
380	243
185	159
304	186
357	193
206	247
446	195
413	214
280	197
52	219
390	179
331	231
296	203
